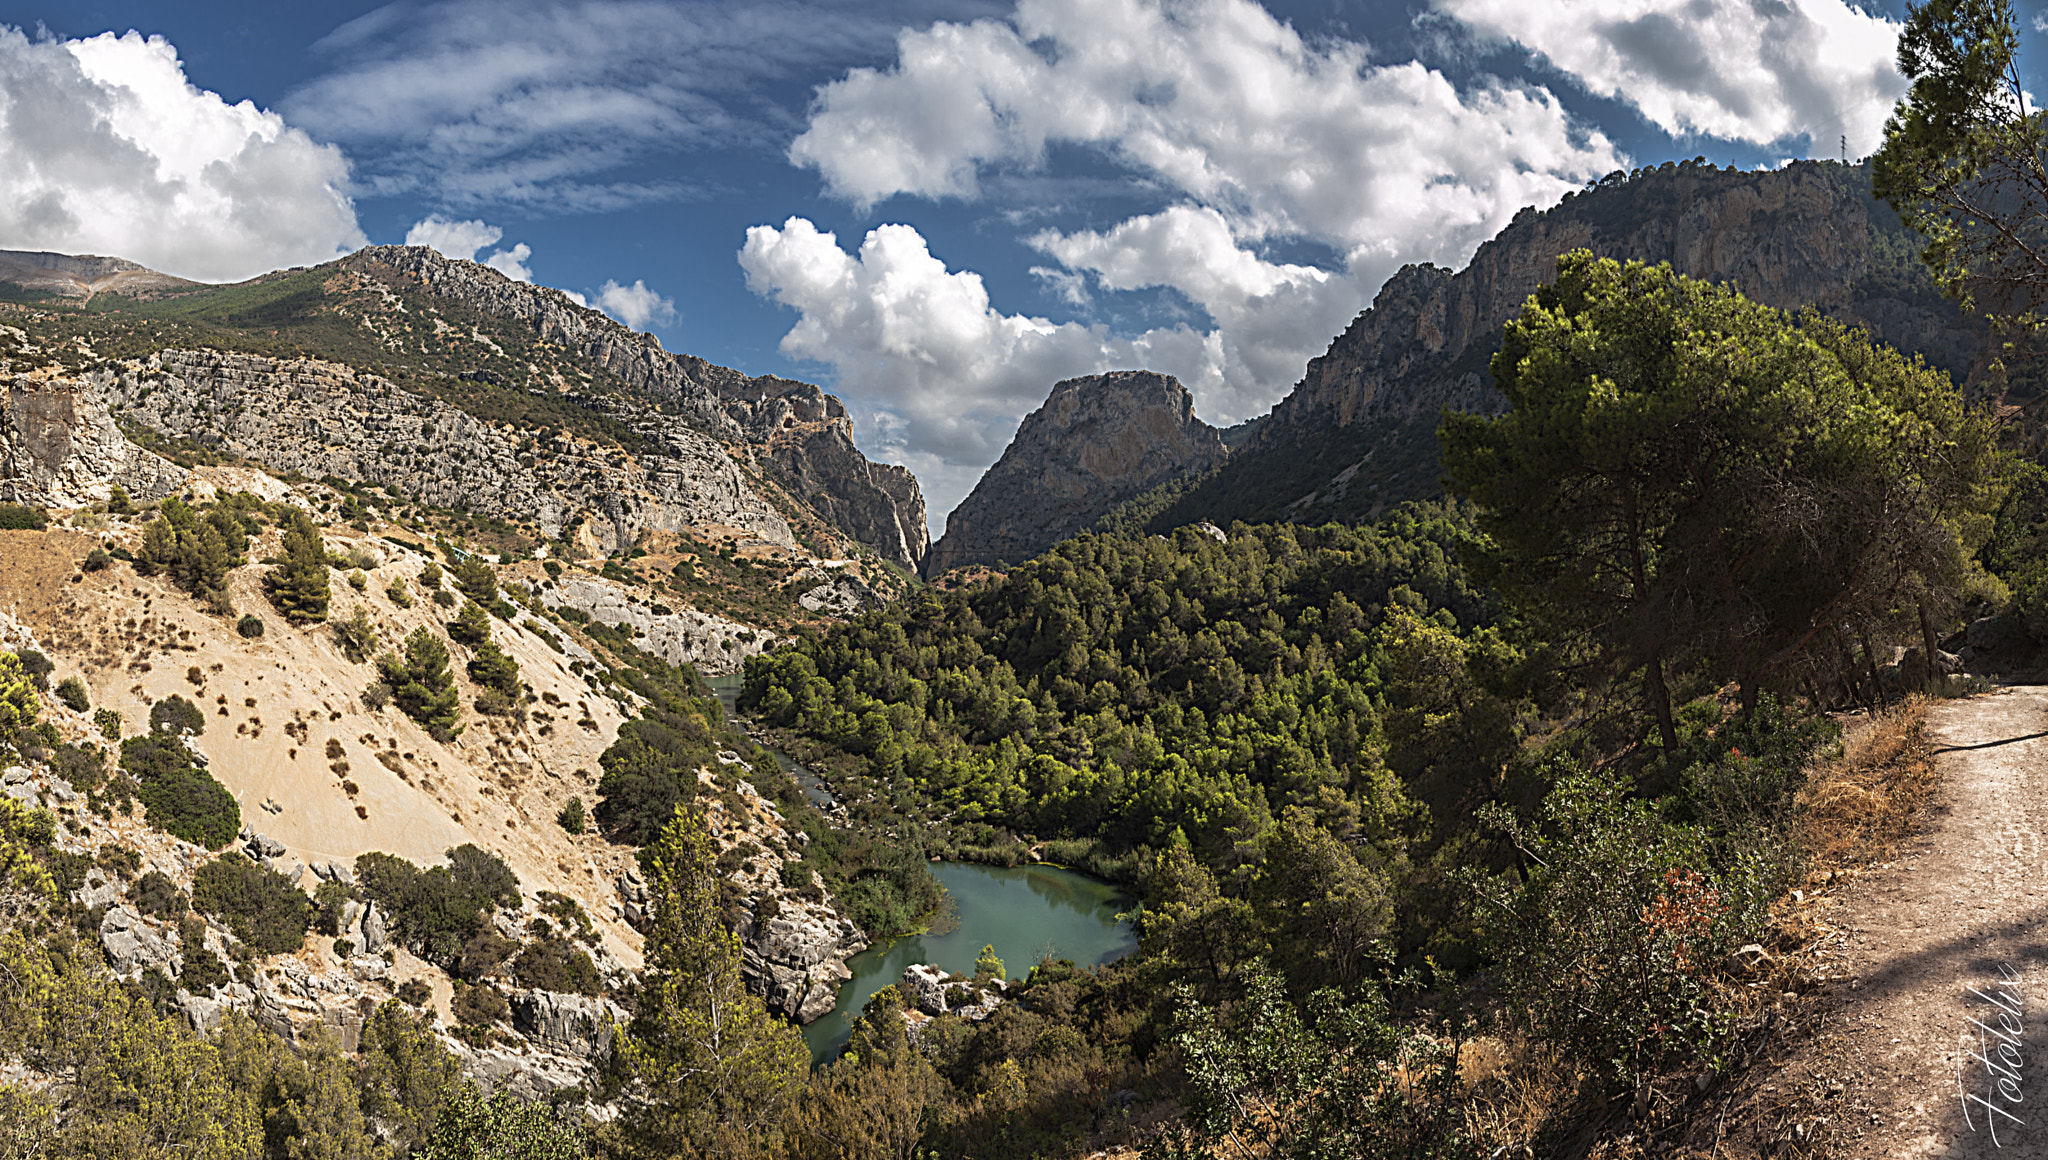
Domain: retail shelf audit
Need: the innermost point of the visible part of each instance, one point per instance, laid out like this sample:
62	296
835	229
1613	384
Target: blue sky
937	208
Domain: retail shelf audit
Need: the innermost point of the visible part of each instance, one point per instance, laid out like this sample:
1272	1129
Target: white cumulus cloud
106	148
462	239
635	305
1215	100
1252	137
940	375
1758	71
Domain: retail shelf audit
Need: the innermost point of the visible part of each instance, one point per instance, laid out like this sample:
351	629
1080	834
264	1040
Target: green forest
1464	831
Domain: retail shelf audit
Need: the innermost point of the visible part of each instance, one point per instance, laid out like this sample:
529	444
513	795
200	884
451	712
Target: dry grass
1857	807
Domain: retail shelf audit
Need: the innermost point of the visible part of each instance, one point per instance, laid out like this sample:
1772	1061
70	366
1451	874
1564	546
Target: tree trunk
1850	682
1870	662
1934	673
1660	703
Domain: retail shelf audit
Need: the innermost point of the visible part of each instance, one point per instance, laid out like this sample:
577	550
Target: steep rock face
801	433
1096	442
60	448
794	943
322	418
1358	430
805	438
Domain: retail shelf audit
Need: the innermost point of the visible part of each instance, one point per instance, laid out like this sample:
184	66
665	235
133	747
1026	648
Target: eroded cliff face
1096	442
320	419
801	435
59	446
1358	430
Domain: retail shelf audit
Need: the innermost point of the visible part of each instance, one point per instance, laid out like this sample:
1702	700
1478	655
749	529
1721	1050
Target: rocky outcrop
801	433
59	447
321	418
1096	442
132	946
713	645
834	592
1358	430
806	439
793	941
931	990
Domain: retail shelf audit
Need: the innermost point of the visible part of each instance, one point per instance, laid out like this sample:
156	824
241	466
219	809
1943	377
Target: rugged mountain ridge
1358	431
38	274
1096	442
805	434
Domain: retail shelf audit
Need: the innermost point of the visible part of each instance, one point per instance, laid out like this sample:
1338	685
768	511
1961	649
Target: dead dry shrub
1858	806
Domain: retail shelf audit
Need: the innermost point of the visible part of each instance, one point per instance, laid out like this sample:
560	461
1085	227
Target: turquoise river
1027	913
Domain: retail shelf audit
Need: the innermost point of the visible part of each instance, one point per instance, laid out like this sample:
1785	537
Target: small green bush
155	894
203	969
376	695
415	993
572	817
182	799
71	691
118	503
38	667
399	593
264	910
108	722
553	963
97	560
796	875
357	635
444	598
84	766
250	626
479	1006
16	517
176	716
430	576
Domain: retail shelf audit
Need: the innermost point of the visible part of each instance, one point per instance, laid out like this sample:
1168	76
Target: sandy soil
1940	959
287	735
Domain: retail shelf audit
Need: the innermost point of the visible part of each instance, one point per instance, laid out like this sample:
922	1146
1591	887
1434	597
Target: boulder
375	938
134	947
202	1013
98	890
574	1025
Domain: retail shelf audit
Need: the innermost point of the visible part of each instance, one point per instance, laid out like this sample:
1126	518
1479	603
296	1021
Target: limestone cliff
1096	442
321	419
1358	430
59	446
802	434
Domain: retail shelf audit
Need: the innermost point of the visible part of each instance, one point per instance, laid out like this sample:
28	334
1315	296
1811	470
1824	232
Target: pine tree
421	683
18	702
298	587
471	626
708	1069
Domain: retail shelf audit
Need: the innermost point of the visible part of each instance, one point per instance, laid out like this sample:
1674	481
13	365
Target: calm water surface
1027	913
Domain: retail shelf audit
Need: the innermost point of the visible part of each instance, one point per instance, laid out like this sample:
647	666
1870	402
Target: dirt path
1942	957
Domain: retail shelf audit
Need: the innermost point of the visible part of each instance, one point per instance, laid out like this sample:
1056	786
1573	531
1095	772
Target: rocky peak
1358	431
1096	442
802	435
